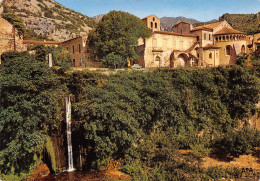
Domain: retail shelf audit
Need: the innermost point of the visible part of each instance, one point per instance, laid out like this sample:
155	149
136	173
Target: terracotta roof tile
150	16
227	30
207	26
210	46
41	42
173	33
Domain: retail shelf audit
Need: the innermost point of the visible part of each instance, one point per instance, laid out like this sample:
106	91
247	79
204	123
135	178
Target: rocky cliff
47	17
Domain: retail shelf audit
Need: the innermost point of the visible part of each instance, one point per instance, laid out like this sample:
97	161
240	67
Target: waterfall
80	159
68	121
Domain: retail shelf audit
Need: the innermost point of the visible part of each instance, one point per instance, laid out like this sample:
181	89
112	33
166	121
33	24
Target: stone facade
9	38
215	44
78	51
81	55
165	49
253	43
152	22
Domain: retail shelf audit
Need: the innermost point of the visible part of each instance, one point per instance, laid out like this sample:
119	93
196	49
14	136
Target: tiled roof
226	30
41	42
173	33
150	16
207	26
178	22
210	46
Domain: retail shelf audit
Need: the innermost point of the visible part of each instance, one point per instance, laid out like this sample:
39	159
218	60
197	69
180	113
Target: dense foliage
30	109
140	117
248	23
113	60
145	116
15	21
60	56
118	33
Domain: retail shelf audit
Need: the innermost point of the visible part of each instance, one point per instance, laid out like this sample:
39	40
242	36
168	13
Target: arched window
151	24
153	18
210	55
155	25
243	49
216	38
154	43
228	50
157	58
258	39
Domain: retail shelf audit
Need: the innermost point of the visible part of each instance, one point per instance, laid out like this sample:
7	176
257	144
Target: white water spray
68	121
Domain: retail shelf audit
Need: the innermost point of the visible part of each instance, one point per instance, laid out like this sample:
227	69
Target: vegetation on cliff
145	117
47	17
15	21
248	23
140	117
30	108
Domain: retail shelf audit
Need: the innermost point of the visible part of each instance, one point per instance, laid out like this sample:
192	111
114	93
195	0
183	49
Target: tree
15	21
29	111
114	60
118	33
60	56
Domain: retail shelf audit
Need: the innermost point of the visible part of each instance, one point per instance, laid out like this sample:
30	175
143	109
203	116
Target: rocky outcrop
47	17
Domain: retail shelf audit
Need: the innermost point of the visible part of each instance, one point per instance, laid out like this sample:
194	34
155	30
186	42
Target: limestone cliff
47	17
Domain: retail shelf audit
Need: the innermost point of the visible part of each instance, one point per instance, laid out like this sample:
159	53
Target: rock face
9	38
47	17
168	22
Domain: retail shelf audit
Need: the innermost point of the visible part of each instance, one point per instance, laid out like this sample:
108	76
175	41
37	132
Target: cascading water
68	121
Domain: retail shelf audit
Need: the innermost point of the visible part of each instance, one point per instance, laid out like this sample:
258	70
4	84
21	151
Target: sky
202	10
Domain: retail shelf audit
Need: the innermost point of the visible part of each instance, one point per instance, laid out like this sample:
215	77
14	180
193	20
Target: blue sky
202	10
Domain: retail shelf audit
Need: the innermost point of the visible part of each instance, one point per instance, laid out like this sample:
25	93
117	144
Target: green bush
114	60
216	172
16	21
239	142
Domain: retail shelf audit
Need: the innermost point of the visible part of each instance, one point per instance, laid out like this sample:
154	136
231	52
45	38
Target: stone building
152	22
80	53
253	43
209	45
78	50
9	38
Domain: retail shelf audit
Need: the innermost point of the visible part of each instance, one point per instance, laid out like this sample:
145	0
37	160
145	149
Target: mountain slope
168	22
248	23
47	17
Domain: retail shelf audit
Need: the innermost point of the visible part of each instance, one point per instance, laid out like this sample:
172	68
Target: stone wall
159	48
9	38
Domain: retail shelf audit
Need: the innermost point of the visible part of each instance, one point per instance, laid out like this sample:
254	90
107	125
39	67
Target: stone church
210	45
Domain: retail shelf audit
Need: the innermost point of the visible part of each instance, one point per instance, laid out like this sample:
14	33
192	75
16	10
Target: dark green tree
114	60
29	111
118	33
15	21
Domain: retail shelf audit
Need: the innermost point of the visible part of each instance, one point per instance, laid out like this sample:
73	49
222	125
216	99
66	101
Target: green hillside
248	23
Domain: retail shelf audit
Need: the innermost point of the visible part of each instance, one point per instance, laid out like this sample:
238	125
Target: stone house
80	53
78	50
209	45
253	43
9	38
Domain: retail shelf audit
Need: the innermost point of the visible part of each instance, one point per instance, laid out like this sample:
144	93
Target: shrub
238	142
114	60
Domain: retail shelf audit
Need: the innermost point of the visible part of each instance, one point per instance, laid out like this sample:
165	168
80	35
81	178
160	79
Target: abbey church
210	45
